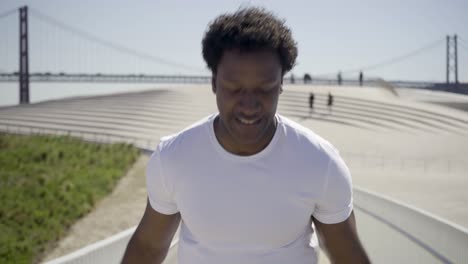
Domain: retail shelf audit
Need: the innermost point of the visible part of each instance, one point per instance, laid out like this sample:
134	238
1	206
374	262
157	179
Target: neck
234	147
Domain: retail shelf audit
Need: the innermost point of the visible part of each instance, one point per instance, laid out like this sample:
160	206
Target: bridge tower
24	56
452	59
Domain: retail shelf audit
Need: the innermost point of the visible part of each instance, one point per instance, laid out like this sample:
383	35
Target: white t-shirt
249	209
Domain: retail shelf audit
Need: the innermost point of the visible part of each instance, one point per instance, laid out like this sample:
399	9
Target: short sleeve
336	203
160	194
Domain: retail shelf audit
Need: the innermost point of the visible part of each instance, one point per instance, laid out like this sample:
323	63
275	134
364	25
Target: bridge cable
391	61
111	45
463	43
5	45
463	46
7	13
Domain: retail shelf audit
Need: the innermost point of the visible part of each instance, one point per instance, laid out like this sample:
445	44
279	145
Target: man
361	78
246	184
330	102
311	102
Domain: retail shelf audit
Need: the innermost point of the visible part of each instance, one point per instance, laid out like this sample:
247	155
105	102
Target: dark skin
340	241
247	87
152	238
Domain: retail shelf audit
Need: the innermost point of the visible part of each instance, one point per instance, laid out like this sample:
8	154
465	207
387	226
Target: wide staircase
146	116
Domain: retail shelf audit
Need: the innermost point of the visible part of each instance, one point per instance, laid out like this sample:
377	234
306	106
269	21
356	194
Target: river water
9	92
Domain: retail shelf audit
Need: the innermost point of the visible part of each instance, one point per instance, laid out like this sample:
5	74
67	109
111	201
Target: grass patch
47	183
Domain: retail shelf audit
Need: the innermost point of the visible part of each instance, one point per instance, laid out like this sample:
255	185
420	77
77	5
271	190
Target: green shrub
46	184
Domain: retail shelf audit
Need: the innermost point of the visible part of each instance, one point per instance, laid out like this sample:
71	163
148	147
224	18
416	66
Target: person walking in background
311	102
330	102
307	78
361	78
339	78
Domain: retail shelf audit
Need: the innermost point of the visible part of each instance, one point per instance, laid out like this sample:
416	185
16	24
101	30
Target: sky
332	35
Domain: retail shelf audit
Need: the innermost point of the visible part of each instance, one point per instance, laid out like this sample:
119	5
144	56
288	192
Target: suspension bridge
72	53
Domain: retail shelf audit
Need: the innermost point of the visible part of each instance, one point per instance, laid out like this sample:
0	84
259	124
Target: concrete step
394	114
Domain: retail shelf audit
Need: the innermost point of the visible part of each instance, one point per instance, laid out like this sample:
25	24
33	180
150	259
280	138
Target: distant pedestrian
311	102
330	102
339	78
361	78
307	78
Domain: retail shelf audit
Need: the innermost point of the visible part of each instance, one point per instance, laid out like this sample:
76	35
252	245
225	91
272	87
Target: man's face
247	86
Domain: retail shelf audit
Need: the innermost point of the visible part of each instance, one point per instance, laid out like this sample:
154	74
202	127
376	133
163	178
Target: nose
249	103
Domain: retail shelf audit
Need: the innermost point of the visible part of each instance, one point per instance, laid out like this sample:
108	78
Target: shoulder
186	138
304	139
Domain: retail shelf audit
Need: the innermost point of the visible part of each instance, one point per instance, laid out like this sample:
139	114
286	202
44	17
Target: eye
235	91
267	90
232	89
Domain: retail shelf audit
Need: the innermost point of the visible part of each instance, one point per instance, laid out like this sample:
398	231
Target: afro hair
249	29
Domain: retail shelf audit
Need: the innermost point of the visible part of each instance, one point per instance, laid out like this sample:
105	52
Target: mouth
248	121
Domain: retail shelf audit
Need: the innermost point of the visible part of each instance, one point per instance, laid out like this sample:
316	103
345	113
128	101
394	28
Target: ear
281	86
213	84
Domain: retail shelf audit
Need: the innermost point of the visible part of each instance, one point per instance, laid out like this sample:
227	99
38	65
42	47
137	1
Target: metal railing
105	138
445	241
195	79
413	165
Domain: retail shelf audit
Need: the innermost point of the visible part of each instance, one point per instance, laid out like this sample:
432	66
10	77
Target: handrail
195	79
142	143
443	239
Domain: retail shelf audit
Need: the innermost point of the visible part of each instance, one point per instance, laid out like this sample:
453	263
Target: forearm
341	242
137	252
353	254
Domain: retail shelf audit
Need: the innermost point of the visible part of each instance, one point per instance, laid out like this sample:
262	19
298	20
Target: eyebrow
263	82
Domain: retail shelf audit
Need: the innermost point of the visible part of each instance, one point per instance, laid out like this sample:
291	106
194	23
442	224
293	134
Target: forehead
261	64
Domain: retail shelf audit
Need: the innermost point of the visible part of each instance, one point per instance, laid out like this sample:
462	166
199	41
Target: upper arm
159	186
156	230
341	242
152	237
334	219
159	223
336	202
154	234
161	217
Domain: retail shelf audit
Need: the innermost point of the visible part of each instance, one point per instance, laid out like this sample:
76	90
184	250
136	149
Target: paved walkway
117	212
